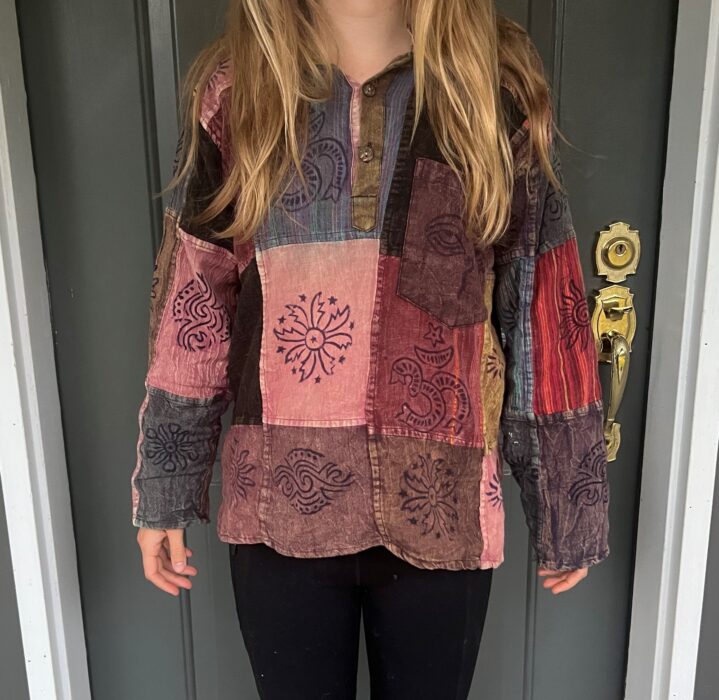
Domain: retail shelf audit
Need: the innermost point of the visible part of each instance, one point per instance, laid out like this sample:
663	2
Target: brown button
369	89
366	153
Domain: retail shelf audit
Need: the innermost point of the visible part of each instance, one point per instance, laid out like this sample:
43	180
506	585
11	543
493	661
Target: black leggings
300	622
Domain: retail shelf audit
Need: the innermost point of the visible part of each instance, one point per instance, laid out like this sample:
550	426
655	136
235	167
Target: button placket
365	191
369	89
366	153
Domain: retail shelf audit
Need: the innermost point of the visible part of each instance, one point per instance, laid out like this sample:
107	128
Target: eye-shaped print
440	271
446	234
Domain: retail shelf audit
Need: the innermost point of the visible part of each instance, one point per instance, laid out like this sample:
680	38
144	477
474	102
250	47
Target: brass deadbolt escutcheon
617	252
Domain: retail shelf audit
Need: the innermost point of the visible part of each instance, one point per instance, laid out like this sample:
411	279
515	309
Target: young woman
369	252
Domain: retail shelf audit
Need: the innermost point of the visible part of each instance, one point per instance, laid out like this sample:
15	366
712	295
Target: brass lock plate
617	252
613	315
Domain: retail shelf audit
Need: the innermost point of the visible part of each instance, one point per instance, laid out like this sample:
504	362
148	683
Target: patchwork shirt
380	366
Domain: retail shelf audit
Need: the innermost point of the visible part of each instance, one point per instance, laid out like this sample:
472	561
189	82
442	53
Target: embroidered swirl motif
313	337
324	166
495	367
308	481
155	282
170	447
434	391
239	473
203	319
494	491
590	486
427	490
555	206
574	323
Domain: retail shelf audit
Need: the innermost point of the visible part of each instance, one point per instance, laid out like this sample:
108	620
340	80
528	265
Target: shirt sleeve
192	307
552	416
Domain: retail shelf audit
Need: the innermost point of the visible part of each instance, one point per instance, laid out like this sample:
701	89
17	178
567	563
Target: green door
102	83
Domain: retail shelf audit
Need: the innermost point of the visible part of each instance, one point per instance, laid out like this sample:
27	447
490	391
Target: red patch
425	381
565	357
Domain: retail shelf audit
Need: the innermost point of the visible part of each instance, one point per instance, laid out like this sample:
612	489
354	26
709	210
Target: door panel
90	146
102	87
620	116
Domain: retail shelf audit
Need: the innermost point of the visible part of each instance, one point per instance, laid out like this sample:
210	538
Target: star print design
312	336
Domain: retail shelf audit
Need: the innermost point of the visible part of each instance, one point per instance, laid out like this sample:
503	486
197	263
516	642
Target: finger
166	548
164	585
167	564
151	566
563	586
177	549
553	581
178	579
571	580
551	577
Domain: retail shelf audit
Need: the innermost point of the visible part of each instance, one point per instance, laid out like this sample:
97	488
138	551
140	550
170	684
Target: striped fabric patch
565	357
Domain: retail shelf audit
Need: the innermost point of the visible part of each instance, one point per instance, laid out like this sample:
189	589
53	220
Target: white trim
682	430
32	462
682	427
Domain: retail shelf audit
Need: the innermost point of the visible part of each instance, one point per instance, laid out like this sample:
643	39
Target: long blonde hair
463	53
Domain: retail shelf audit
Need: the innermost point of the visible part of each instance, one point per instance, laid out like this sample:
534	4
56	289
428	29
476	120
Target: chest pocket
439	269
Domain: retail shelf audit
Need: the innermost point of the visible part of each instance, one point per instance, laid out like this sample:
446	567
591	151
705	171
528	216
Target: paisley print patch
310	481
590	485
204	320
239	473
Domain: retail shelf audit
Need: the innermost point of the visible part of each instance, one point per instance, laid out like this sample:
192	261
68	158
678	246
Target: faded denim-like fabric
379	365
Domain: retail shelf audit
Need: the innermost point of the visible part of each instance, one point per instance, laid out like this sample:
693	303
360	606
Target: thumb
177	549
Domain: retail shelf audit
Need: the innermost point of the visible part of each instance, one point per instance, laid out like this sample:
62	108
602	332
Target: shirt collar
396	63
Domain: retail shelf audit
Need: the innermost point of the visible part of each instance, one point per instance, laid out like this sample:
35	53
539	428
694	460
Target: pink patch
318	302
193	337
427	382
210	108
491	510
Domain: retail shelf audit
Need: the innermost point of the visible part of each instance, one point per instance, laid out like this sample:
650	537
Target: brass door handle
614	318
620	371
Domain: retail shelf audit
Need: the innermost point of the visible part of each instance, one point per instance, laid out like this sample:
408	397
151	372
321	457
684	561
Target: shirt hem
450	564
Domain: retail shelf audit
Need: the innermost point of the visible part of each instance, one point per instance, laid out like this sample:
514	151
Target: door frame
675	497
682	427
33	471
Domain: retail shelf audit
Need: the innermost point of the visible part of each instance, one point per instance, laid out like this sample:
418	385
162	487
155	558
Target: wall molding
32	454
682	428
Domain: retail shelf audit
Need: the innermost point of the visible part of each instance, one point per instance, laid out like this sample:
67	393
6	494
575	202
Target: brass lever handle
620	372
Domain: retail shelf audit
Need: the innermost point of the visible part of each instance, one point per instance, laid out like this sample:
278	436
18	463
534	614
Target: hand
164	559
560	581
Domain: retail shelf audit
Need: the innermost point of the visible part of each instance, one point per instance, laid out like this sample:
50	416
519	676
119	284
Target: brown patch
439	270
429	497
